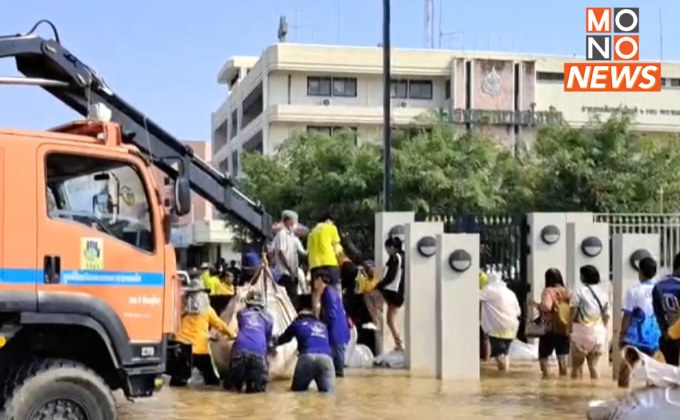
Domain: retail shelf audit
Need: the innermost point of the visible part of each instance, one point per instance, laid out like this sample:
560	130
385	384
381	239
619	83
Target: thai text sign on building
612	55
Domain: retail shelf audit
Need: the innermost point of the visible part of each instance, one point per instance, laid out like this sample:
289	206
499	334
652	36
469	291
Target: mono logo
612	55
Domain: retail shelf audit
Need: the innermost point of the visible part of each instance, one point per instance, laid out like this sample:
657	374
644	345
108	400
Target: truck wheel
57	390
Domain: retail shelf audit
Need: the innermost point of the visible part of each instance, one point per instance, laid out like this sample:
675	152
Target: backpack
560	317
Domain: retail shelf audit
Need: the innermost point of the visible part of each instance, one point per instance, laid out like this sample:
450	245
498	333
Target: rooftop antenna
660	36
447	35
428	27
283	29
296	26
338	20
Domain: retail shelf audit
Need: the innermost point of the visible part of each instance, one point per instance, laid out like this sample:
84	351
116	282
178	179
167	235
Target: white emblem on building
491	85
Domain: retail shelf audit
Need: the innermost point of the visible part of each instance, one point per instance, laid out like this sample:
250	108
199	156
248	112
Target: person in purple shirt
666	302
249	352
314	360
334	316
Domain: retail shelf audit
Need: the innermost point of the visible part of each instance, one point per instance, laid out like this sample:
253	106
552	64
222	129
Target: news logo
612	55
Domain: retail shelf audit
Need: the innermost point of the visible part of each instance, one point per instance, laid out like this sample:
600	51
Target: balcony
343	114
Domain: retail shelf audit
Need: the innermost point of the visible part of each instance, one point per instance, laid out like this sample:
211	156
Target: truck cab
86	268
89	292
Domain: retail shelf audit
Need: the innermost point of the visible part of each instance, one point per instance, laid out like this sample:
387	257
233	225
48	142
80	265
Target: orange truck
89	292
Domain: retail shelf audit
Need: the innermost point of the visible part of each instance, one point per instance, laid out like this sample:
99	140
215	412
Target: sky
163	56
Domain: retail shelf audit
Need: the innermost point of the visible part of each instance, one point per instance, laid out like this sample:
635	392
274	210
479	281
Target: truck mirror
182	196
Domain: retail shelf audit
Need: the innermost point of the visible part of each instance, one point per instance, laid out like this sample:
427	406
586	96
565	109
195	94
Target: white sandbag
523	351
351	346
646	403
361	357
659	400
279	306
392	360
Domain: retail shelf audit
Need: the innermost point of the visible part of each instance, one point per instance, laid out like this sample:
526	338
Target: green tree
435	171
604	167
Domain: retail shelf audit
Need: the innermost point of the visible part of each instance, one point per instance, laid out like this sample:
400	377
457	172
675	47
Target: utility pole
387	108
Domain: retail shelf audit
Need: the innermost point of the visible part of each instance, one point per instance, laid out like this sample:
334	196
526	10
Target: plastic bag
361	357
646	403
392	360
659	400
523	351
351	346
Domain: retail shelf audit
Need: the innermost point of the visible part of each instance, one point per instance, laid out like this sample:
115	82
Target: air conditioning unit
326	102
403	104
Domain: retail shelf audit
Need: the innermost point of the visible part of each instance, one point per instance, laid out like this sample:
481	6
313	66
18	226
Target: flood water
390	394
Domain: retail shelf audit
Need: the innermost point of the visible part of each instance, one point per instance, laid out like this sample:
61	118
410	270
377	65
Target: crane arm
79	87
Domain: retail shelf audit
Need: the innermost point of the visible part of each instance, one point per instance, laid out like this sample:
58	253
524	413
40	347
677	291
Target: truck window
106	195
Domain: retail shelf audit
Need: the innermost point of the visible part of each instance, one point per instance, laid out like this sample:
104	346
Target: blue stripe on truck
84	277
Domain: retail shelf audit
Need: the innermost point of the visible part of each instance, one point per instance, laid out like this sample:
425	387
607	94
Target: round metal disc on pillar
591	246
398	231
460	260
550	234
427	246
638	256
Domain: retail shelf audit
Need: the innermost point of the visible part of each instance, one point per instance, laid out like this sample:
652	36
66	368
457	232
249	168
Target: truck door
99	234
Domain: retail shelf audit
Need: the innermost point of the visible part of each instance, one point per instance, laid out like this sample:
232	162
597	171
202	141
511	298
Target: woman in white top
590	313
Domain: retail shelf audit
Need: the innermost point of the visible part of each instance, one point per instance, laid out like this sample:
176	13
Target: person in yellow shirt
484	345
205	273
483	279
197	319
323	248
221	291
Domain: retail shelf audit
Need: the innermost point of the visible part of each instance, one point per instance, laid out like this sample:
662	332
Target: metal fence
667	226
503	247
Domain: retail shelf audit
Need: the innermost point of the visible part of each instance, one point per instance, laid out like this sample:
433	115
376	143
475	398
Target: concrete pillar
627	251
582	238
588	244
421	275
457	306
547	249
384	223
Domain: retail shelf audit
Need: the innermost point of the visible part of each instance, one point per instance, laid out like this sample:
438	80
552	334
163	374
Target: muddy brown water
390	394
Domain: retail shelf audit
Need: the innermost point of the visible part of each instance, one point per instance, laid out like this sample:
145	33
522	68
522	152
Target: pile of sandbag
357	355
659	399
279	306
394	359
523	351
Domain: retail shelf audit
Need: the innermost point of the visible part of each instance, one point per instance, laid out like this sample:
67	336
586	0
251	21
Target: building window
420	89
167	181
447	89
234	124
330	131
544	76
318	86
320	130
234	164
345	87
675	82
399	89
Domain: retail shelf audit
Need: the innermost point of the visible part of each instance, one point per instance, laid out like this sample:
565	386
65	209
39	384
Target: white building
296	87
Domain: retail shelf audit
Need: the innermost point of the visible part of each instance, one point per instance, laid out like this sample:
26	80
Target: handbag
536	328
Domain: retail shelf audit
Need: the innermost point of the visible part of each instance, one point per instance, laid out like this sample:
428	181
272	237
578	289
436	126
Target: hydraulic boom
63	75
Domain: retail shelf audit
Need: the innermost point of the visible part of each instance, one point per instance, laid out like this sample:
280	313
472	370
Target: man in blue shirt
249	352
639	327
666	300
334	316
314	360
